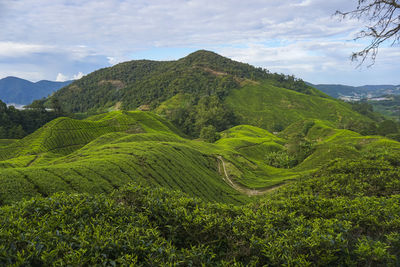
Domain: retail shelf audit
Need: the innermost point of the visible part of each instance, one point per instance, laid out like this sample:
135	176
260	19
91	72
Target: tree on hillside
56	105
383	24
209	134
387	127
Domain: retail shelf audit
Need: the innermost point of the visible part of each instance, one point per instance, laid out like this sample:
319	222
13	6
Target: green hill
274	108
204	89
145	82
128	187
106	151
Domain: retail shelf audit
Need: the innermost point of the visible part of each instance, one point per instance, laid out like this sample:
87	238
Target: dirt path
32	161
240	188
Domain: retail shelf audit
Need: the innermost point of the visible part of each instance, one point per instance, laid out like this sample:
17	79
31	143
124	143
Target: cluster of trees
296	150
203	116
379	126
16	123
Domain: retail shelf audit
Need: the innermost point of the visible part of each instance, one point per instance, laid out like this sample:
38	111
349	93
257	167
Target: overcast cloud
50	39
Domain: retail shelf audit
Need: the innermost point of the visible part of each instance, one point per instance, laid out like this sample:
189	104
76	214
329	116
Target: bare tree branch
383	24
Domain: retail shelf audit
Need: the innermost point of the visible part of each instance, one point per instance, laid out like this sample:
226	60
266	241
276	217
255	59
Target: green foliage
15	124
210	111
193	114
366	109
387	127
158	227
274	108
376	173
281	159
343	208
299	149
209	134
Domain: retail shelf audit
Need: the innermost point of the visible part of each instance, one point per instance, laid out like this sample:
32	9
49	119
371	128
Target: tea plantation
126	188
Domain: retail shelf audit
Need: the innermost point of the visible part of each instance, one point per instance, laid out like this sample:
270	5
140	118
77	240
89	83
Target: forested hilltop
205	89
145	82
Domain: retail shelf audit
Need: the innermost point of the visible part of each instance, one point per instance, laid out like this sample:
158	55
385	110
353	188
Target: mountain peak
204	56
203	52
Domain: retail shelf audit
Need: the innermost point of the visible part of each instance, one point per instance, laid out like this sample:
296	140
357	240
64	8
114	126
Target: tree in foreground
383	24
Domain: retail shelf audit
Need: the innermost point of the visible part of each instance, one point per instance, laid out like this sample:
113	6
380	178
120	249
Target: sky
66	39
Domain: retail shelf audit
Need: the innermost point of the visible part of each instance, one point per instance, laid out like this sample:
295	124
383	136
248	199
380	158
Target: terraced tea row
107	167
64	135
108	155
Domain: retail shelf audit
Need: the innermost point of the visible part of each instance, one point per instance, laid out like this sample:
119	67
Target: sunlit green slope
274	108
105	152
64	135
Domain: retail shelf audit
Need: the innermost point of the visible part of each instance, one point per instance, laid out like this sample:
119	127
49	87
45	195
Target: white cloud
297	36
18	49
113	26
319	61
114	60
302	3
61	77
78	76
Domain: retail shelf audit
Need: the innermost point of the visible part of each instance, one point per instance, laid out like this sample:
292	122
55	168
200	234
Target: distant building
348	98
144	108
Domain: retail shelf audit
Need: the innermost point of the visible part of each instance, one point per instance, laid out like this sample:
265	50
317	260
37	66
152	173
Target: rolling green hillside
204	89
106	151
274	108
127	187
283	183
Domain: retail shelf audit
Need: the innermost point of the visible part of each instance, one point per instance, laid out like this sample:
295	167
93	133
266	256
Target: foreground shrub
156	226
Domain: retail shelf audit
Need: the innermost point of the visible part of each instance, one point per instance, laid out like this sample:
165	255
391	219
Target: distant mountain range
357	92
20	91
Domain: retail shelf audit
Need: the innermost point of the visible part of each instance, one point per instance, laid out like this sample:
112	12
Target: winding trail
240	188
32	161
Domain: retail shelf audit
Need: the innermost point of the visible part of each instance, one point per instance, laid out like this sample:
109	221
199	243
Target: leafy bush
159	227
280	159
209	134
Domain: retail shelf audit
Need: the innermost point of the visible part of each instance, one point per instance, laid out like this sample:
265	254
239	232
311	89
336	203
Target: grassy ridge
270	107
345	212
104	152
107	167
64	135
134	146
